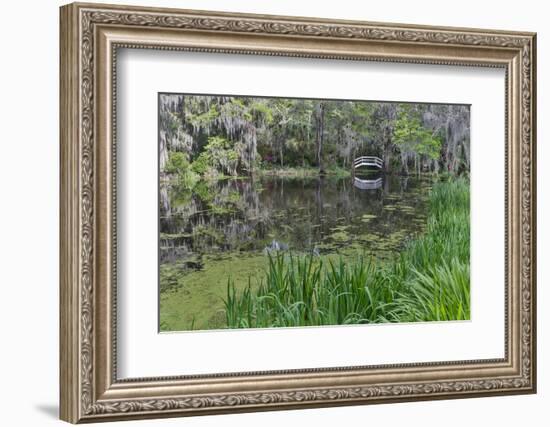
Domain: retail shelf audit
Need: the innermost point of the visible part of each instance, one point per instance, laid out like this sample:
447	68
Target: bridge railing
368	161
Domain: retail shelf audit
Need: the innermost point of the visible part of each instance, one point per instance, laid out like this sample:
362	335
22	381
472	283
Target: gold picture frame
90	36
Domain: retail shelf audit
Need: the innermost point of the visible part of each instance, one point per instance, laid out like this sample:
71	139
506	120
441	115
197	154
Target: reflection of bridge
367	184
368	161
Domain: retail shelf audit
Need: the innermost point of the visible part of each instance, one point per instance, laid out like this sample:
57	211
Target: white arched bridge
368	161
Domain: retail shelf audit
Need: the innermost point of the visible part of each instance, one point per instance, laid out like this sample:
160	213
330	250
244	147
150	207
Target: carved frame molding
90	36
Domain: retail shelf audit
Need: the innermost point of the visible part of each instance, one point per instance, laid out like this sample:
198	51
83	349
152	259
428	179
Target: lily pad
340	236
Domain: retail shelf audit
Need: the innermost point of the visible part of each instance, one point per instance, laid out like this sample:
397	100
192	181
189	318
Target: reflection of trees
319	200
246	215
403	183
164	201
221	216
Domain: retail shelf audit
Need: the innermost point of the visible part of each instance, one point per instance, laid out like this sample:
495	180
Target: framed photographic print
266	212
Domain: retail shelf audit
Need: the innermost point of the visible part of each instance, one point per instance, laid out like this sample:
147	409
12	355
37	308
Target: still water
227	229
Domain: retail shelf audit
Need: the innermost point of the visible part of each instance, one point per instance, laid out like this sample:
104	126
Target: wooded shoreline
212	136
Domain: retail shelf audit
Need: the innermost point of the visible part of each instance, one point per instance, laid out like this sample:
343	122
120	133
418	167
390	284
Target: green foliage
229	135
303	291
178	164
222	155
201	163
262	111
411	136
204	119
429	281
442	292
436	267
219	155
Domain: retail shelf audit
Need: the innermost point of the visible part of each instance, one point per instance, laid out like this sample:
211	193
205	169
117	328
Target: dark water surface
228	227
298	214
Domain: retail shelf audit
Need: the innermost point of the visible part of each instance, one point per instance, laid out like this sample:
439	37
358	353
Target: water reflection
319	215
367	183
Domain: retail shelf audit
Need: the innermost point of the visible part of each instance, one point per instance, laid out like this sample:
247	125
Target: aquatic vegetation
440	293
367	217
340	236
193	299
428	281
303	291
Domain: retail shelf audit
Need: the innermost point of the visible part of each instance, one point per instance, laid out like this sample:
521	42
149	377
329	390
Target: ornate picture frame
90	37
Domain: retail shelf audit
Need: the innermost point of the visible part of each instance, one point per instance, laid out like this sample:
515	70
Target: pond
229	227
